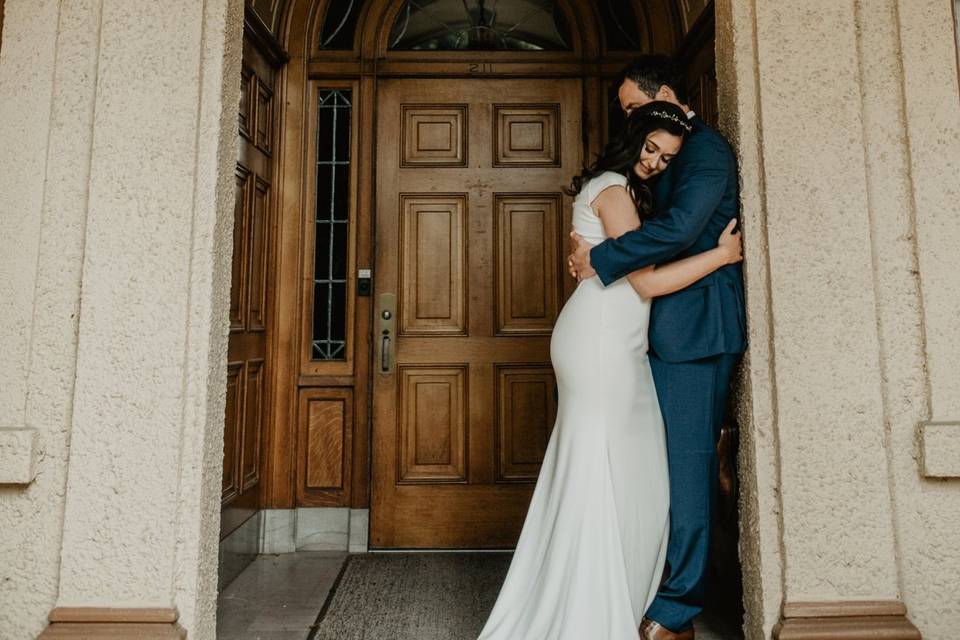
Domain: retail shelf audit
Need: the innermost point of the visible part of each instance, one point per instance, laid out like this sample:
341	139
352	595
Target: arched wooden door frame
375	29
360	68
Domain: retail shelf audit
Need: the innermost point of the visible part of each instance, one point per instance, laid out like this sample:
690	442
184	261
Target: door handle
387	325
385	354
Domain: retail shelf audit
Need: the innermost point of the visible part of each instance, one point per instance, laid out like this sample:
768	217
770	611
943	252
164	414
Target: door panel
471	228
528	409
433	422
247	389
433	265
527	287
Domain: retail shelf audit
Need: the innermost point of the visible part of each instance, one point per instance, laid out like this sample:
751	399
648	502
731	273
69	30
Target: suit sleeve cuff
599	264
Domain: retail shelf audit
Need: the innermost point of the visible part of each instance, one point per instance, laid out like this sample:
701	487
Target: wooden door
471	226
244	430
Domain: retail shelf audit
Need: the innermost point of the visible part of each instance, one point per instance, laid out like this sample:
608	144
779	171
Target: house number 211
480	67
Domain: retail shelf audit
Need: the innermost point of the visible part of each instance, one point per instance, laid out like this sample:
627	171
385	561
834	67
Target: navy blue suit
697	336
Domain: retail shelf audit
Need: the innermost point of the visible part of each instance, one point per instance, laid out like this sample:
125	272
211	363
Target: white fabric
591	553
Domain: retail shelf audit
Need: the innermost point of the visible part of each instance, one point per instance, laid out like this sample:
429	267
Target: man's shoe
650	630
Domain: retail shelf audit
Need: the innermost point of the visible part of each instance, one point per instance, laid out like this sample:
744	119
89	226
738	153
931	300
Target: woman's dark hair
623	150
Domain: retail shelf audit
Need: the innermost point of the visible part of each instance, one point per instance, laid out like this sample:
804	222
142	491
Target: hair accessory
673	118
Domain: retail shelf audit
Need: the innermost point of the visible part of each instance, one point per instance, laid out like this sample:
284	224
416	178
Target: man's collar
691	114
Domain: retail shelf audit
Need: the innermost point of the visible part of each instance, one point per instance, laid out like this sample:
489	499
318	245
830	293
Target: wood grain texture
252	425
845	620
433	136
527	411
231	433
246	102
848	628
258	243
475	290
113	614
85	623
325	447
843	609
246	436
325	434
432	246
528	246
238	272
303	243
433	422
264	128
526	135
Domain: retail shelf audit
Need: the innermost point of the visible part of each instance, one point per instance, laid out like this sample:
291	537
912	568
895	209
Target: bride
591	553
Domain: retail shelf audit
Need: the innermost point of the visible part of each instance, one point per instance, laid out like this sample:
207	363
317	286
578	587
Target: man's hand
578	262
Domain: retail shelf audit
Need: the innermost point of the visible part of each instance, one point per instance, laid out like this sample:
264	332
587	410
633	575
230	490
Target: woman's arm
617	212
651	282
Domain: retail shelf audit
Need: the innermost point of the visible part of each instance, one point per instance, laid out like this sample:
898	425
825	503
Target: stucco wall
846	120
47	79
207	322
761	554
118	122
920	321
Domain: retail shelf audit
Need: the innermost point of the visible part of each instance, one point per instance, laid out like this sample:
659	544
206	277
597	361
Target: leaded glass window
480	25
340	25
332	225
620	25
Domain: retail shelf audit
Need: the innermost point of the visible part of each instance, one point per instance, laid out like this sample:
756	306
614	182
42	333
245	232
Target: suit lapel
661	189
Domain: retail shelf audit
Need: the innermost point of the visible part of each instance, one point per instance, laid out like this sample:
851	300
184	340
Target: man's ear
666	93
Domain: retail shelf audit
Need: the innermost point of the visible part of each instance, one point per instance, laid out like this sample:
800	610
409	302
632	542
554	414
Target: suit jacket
695	198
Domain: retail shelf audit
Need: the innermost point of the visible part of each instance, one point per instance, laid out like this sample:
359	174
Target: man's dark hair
651	72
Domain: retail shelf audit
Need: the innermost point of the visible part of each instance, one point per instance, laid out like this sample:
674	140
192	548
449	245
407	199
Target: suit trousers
692	398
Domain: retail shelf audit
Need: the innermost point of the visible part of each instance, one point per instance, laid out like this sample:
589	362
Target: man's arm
693	200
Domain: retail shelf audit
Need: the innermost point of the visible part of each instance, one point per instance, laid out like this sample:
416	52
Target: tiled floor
278	597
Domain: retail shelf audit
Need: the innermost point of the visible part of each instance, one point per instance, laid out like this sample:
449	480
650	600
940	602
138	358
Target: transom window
340	25
480	25
620	25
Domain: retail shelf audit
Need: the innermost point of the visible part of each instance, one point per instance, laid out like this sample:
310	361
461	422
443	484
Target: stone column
820	501
47	82
931	103
141	518
761	554
920	363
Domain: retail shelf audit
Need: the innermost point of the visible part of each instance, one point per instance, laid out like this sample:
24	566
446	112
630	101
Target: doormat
412	596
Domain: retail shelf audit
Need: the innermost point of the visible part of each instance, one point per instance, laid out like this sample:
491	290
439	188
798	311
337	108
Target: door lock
386	344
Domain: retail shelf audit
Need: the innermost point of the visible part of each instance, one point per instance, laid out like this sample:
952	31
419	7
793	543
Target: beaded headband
673	118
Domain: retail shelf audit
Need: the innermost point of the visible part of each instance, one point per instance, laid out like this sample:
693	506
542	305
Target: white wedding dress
591	553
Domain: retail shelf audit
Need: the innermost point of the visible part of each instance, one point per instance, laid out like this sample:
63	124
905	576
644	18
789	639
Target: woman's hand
731	244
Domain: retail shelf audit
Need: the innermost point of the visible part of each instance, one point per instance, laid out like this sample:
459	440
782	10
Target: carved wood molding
263	38
700	33
856	620
92	623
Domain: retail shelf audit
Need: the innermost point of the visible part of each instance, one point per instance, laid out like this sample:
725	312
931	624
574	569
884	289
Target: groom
697	335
